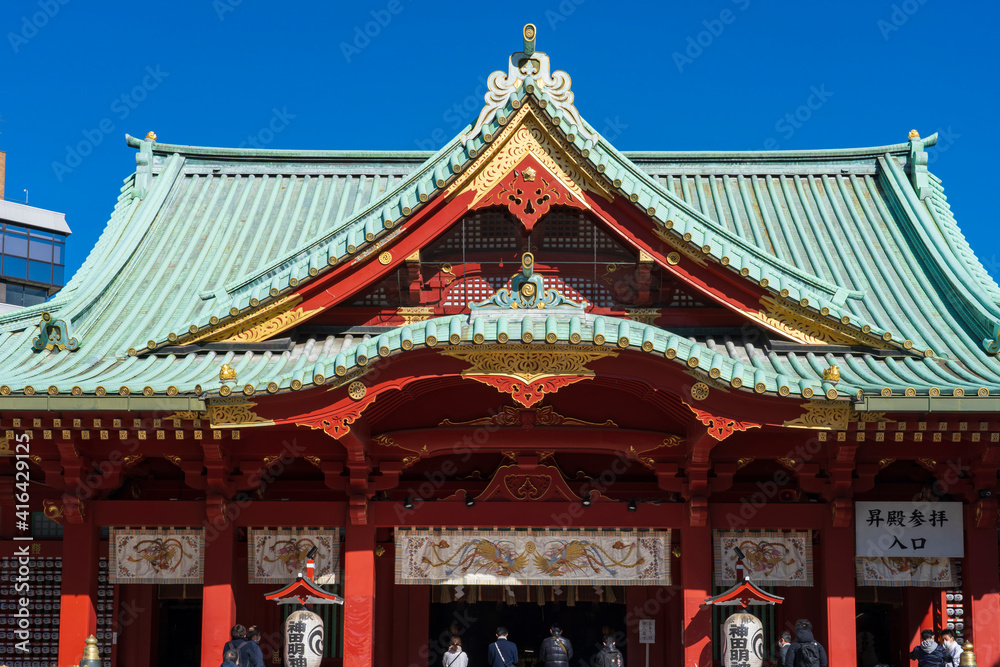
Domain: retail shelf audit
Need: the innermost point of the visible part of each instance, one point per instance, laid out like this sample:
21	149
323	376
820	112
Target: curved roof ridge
980	313
778	156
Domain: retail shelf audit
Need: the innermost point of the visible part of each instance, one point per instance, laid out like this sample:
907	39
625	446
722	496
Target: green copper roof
201	235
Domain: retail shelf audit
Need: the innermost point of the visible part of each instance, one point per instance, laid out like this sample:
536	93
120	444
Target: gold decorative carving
642	315
832	374
699	391
885	463
528	363
669	441
53	511
186	415
385	258
822	415
788	463
927	464
806	327
357	390
228	414
176	460
314	460
408	461
411	314
541	416
227	373
527	133
744	462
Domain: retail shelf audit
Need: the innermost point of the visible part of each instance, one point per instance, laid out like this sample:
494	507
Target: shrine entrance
179	638
584	618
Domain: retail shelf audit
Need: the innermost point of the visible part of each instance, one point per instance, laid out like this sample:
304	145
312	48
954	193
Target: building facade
32	251
525	379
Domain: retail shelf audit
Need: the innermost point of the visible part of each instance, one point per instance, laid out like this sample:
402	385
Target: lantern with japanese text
742	641
303	639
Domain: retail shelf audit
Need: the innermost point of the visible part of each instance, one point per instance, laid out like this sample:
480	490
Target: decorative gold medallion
357	390
385	258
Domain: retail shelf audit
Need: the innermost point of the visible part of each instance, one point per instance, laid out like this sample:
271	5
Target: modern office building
32	251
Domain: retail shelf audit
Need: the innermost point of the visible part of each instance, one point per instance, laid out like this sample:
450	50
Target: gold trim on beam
235	413
528	363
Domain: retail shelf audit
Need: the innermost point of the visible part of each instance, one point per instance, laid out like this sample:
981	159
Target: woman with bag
455	656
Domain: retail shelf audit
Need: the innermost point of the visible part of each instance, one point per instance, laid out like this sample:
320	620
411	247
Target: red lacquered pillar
359	595
696	580
77	602
218	605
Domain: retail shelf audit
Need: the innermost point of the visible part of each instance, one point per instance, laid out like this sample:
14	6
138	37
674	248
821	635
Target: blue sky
716	75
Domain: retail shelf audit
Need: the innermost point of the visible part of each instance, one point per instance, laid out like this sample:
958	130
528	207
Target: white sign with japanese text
647	631
915	529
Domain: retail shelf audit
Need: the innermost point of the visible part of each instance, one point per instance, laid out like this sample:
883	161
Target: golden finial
913	135
528	174
227	374
151	135
968	658
832	374
90	652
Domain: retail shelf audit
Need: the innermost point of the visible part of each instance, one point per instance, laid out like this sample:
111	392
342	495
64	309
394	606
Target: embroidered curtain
156	555
904	571
277	556
544	557
773	558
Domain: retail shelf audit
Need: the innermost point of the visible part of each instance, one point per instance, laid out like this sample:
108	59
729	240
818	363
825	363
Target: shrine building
526	379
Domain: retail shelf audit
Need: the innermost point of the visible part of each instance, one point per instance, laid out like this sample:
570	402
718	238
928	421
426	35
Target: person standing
805	651
250	653
929	653
229	658
951	648
455	656
502	652
556	650
609	655
784	644
238	638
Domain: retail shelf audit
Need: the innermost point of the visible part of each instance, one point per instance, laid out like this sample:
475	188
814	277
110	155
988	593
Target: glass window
34	296
40	272
15	244
15	267
57	253
16	229
15	294
58	277
40	250
37	233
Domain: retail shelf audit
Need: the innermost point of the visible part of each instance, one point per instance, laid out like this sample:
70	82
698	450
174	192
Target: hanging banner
914	530
742	641
886	571
277	556
156	555
771	558
544	557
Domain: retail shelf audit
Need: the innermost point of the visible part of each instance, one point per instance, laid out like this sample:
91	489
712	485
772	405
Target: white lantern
742	641
303	639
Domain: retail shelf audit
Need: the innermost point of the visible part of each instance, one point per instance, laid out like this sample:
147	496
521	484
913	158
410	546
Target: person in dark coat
239	638
250	653
229	658
556	650
502	652
805	651
784	644
609	655
929	653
